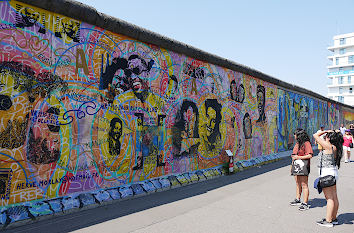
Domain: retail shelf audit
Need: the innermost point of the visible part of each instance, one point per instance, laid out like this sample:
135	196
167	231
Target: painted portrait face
209	81
13	104
44	137
247	126
260	101
116	130
30	15
303	109
6	90
241	93
211	116
189	124
172	86
136	82
70	27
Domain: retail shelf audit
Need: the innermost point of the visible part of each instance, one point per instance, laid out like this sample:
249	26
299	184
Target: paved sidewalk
255	200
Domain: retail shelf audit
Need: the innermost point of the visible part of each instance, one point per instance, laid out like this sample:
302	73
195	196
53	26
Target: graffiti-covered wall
84	109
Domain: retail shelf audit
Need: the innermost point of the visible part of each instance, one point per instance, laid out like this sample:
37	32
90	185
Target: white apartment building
341	69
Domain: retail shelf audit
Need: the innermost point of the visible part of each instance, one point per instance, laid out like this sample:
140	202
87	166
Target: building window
340	80
341	99
341	90
342	41
340	69
350	90
349	79
341	51
351	59
337	61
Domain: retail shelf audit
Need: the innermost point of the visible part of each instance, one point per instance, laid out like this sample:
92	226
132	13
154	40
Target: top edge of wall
90	15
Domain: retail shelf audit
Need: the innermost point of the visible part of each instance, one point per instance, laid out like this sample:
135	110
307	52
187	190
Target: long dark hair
336	139
301	137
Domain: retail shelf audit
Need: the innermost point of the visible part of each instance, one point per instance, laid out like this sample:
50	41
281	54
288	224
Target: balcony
345	72
340	65
332	48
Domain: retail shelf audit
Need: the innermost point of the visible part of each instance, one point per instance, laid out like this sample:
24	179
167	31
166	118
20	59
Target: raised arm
325	144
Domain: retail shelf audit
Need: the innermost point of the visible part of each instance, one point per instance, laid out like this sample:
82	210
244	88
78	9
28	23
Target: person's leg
348	154
345	152
304	187
298	193
298	187
328	192
336	202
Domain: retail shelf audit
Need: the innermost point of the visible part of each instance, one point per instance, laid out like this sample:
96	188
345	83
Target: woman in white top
329	163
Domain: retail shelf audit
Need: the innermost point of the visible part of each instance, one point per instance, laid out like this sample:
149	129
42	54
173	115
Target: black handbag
351	145
300	167
327	181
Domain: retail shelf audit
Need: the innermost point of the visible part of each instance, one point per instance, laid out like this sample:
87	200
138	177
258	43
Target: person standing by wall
329	163
347	145
342	129
302	153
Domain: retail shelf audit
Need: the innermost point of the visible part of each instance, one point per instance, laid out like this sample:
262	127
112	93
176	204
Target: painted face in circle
136	66
211	121
117	131
247	126
31	15
189	117
13	132
241	93
260	101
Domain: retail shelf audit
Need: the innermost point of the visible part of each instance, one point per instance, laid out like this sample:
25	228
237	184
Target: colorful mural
83	109
299	111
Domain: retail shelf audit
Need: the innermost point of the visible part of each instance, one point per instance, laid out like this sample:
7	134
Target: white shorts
346	148
333	171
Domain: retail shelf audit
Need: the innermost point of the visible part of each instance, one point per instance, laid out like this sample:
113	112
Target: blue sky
285	39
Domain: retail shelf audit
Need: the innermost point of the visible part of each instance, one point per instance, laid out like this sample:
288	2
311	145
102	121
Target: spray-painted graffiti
84	109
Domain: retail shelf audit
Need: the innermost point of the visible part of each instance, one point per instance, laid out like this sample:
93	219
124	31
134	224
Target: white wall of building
341	69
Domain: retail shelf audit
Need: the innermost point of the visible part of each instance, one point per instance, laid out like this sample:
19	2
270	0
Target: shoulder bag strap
321	163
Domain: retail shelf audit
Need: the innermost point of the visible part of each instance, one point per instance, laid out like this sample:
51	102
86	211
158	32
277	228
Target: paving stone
86	199
39	208
126	191
2	218
70	203
165	183
56	205
194	177
102	196
186	175
114	193
156	183
173	180
148	186
201	175
182	179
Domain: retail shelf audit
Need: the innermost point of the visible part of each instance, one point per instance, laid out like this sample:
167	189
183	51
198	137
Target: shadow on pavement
317	202
347	218
81	219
